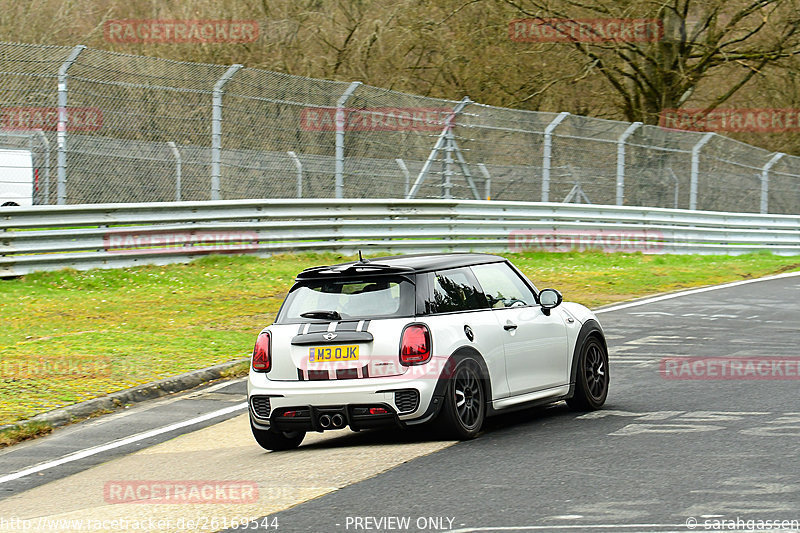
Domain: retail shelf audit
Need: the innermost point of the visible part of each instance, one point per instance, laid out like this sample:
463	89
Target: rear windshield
354	298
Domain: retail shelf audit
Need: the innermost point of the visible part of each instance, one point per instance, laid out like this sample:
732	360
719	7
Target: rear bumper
311	418
349	398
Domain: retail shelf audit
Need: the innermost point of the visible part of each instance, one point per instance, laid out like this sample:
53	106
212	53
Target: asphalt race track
667	453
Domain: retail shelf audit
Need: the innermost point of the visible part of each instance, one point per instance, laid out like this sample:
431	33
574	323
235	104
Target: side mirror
548	299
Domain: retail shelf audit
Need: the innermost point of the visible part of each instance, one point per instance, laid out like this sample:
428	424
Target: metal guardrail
121	235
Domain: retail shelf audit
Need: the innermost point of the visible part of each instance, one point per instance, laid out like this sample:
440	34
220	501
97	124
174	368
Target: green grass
29	430
70	336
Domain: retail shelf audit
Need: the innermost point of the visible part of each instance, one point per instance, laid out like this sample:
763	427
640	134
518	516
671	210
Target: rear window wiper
329	315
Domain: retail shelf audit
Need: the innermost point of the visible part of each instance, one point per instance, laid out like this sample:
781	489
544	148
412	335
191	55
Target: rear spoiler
353	270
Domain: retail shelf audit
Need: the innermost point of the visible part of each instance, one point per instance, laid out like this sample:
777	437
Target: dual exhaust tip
335	421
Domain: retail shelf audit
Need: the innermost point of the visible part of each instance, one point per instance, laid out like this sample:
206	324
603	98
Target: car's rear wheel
591	381
464	408
272	439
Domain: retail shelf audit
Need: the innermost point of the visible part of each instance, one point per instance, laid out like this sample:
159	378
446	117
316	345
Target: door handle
509	326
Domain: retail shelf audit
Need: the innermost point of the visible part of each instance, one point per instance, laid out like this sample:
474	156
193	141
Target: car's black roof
426	262
403	263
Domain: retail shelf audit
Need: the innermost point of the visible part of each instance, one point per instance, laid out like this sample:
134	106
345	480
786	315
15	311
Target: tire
464	408
274	440
592	378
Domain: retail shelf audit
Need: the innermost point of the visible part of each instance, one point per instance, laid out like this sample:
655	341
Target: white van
16	177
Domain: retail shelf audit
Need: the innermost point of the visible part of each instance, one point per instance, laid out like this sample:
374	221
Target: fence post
487	181
61	133
447	174
340	127
621	160
406	173
696	169
675	191
178	164
547	154
216	129
46	145
765	180
299	166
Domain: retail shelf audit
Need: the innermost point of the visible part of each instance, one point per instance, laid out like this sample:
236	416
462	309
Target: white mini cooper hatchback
444	339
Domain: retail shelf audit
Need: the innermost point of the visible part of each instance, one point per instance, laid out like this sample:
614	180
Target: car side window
502	286
456	290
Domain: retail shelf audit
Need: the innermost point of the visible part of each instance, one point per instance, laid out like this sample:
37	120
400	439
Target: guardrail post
178	164
547	154
216	129
696	169
621	160
340	127
61	132
765	180
298	165
406	174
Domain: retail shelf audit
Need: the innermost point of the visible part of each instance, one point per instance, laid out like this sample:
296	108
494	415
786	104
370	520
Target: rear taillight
262	360
415	346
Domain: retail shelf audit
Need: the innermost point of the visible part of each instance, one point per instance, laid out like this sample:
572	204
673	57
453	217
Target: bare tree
727	41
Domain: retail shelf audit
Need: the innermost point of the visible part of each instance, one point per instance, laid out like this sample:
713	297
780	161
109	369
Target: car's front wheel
591	381
464	408
274	440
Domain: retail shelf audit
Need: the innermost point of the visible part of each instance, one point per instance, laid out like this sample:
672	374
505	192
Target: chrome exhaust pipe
325	421
337	421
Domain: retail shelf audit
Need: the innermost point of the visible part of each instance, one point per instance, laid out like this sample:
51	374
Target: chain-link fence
109	127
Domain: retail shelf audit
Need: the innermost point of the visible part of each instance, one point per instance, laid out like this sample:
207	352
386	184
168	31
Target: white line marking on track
649	528
88	452
573	526
694	291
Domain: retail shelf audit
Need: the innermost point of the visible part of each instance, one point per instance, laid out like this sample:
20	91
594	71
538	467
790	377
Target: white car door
462	318
536	349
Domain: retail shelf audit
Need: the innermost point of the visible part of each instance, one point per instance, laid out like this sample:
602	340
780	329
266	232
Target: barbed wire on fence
110	127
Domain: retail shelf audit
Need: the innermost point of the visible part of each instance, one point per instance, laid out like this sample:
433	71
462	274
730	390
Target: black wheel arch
463	352
591	328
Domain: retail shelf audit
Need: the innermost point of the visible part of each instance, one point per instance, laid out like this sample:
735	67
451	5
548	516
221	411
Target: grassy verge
70	336
26	431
